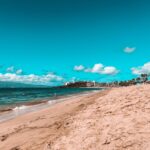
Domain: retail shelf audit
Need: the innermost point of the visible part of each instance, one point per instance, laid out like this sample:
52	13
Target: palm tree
144	77
138	80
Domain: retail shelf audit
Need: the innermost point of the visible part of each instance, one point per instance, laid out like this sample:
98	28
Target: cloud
79	68
110	70
129	49
31	78
101	69
19	71
145	69
97	68
10	69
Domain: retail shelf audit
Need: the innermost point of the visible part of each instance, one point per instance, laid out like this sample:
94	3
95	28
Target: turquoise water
14	96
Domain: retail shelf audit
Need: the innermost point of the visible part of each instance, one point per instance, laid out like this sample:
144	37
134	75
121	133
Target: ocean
19	96
18	101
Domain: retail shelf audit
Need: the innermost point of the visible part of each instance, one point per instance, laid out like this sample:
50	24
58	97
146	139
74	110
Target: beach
112	119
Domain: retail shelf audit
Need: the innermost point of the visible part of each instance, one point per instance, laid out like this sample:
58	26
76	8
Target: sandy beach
113	119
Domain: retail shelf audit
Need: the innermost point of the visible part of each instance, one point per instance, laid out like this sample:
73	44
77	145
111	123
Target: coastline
12	131
28	101
11	112
117	118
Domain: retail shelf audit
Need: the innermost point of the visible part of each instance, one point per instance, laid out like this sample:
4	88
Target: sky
52	42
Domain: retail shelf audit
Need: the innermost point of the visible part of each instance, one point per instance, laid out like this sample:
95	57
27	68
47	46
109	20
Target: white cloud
129	49
145	69
97	68
87	70
101	69
31	78
110	70
19	71
10	69
79	68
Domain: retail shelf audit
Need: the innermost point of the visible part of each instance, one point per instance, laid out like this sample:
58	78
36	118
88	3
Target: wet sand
113	119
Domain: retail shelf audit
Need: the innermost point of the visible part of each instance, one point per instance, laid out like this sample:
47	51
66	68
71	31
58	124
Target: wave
31	107
20	108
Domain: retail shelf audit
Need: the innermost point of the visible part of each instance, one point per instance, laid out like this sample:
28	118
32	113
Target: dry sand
117	119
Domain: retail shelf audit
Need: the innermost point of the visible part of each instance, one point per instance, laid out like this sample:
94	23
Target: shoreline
117	118
12	112
10	107
42	125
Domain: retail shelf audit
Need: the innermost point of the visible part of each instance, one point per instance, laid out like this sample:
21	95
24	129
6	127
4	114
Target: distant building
90	84
66	83
142	79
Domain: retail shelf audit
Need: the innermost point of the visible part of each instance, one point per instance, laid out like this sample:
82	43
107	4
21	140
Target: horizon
53	42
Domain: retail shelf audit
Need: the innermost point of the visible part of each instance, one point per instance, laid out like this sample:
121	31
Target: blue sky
45	37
